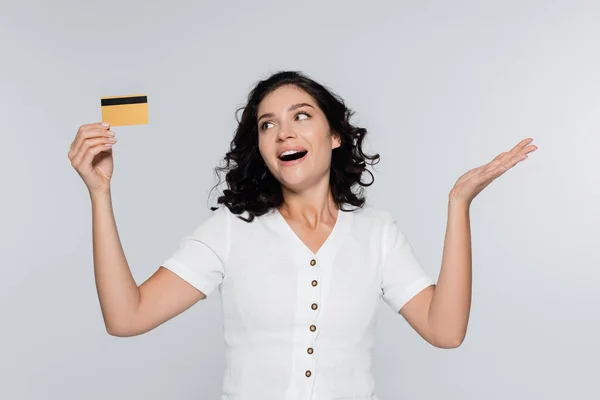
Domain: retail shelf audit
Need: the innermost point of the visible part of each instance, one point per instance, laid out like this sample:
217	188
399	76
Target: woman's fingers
81	153
89	131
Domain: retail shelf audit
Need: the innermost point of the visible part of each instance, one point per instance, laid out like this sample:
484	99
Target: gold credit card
125	110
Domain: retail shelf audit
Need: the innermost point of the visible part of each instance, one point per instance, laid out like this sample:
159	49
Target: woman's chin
297	182
292	182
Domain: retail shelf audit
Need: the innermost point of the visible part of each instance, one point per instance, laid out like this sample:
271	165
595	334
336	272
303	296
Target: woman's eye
264	126
303	113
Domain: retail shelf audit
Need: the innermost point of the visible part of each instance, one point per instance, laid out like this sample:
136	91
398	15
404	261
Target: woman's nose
286	131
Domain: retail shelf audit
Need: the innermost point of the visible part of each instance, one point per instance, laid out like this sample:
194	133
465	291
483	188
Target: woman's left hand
473	182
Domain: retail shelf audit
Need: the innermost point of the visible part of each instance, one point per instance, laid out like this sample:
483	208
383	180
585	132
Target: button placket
313	328
314	306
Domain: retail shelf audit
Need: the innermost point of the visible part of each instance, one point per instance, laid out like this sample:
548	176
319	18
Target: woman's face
290	125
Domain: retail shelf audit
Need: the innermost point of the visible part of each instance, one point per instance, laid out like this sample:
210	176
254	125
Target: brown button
313	262
313	328
314	306
314	283
308	374
310	350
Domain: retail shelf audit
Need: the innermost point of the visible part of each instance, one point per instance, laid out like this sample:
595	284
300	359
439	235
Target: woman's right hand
91	156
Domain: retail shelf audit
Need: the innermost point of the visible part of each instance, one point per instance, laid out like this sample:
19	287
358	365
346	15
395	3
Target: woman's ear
336	140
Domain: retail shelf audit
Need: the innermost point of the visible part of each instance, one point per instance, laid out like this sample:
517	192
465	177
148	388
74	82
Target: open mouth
292	155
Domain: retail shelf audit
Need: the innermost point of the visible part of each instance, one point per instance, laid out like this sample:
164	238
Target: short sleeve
200	256
402	275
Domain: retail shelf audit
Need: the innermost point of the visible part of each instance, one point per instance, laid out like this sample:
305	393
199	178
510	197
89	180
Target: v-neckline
330	238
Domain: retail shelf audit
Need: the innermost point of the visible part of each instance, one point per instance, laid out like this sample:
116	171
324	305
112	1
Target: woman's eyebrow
291	108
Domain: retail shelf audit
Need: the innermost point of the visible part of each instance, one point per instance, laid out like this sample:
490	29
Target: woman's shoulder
373	215
223	212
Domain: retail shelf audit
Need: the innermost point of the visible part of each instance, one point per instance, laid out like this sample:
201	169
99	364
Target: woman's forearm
451	302
117	290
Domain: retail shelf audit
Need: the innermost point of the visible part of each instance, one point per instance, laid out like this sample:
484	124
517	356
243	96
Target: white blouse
300	325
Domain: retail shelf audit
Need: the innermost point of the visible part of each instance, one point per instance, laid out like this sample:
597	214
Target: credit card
125	110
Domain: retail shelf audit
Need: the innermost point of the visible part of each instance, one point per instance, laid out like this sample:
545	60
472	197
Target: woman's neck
310	207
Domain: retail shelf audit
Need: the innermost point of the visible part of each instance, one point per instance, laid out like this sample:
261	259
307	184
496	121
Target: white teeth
285	153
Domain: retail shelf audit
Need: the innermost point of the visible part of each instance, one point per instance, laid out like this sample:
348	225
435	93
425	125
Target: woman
299	260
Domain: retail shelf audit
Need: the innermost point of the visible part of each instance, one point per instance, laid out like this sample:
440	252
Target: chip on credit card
125	110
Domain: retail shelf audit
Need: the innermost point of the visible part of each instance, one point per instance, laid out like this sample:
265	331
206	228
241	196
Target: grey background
443	87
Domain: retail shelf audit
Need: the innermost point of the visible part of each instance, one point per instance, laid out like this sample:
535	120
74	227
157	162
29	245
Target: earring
263	175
